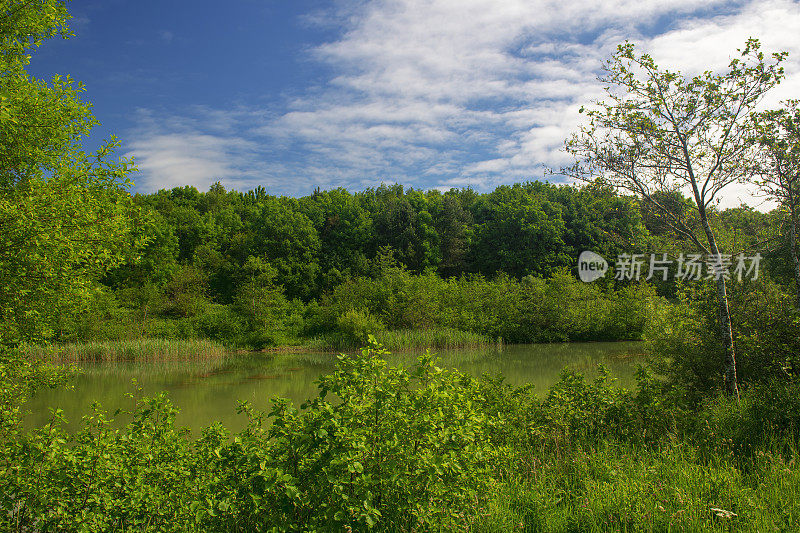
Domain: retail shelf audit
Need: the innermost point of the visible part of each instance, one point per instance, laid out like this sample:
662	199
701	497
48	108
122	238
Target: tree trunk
724	315
726	332
793	240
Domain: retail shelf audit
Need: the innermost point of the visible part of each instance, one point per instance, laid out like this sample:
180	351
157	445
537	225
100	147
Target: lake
206	392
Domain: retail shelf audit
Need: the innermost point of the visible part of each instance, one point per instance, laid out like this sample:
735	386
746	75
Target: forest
253	270
706	440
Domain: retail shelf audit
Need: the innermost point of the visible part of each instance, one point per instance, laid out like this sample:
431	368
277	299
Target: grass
439	338
406	339
129	350
618	487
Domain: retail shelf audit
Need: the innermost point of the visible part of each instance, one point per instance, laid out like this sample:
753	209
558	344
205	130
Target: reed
407	339
144	349
438	338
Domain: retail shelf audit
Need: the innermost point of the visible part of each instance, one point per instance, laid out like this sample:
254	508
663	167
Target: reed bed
139	350
406	339
439	338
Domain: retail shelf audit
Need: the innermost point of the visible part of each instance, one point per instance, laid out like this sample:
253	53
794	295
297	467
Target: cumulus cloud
173	151
438	93
174	160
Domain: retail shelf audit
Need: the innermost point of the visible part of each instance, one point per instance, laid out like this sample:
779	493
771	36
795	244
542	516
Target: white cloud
438	93
173	151
174	160
492	88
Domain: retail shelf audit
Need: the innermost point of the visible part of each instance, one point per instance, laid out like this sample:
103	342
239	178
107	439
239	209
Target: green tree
64	214
277	231
659	132
453	223
345	231
518	233
396	225
778	134
261	302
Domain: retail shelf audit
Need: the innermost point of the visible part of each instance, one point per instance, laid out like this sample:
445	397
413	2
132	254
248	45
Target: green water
209	392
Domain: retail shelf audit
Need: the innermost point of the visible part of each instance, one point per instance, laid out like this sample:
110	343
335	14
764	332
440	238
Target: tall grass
130	350
619	487
405	339
439	338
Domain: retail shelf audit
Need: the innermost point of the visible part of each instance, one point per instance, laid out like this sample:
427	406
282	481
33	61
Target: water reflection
209	392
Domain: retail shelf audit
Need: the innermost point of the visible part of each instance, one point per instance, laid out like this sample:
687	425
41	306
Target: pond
209	391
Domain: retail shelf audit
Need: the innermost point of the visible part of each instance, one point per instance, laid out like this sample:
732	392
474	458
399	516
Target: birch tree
659	132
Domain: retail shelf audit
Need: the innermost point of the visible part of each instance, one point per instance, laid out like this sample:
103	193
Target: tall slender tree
659	132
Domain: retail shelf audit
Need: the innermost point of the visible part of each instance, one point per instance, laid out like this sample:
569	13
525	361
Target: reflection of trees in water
541	365
209	391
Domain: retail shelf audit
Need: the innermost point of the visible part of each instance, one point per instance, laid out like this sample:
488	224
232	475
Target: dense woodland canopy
218	262
315	242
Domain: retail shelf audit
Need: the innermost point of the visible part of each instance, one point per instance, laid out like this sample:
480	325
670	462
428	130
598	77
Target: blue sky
293	95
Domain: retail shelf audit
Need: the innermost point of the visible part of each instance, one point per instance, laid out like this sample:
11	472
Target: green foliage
581	411
319	241
421	449
39	122
685	343
404	448
221	324
355	326
102	478
532	310
58	237
518	233
260	302
277	231
186	293
64	214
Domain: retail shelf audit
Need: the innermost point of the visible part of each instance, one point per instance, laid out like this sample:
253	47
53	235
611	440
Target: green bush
354	326
406	449
579	411
685	340
557	309
221	324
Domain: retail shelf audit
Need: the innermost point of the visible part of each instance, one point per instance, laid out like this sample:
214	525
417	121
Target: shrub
221	324
686	346
557	309
406	449
354	326
578	410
